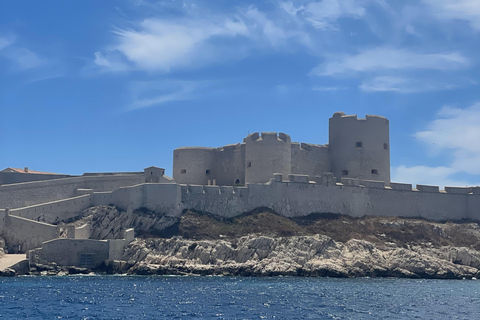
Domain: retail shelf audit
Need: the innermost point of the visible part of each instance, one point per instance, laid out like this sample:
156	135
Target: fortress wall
123	198
358	146
30	193
230	165
163	198
265	155
28	234
413	204
194	165
309	159
293	199
473	207
55	211
15	177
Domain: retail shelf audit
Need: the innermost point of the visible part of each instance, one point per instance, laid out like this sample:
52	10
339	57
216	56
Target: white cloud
455	133
385	58
408	85
435	176
467	10
160	45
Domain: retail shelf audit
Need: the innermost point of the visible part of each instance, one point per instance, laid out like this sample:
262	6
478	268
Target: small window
183	171
344	172
151	173
385	146
249	164
358	144
374	171
207	171
237	181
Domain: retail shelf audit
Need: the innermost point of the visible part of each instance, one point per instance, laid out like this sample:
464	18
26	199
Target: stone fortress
350	175
357	148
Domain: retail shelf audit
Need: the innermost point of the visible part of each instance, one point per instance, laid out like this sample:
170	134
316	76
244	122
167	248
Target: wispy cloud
385	58
324	14
5	42
22	58
455	132
321	88
154	93
411	85
467	10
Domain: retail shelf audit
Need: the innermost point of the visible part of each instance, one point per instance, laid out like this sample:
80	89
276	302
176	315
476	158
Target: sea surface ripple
190	297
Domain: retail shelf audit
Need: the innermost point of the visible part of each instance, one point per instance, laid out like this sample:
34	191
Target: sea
195	297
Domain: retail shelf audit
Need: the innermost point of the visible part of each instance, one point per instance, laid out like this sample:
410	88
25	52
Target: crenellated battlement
267	136
369	117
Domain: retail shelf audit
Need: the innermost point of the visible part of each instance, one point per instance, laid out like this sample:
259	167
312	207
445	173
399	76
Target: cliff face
299	256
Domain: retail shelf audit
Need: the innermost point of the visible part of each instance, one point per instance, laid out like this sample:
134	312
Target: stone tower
359	148
265	155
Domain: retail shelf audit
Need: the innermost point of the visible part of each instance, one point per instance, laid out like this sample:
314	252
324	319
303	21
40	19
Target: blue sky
91	86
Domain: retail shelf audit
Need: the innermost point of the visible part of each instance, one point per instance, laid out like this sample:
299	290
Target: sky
102	86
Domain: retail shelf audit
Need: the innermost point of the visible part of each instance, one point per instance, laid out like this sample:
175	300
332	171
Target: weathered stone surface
298	256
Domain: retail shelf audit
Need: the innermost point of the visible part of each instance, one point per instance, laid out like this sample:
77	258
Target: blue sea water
137	297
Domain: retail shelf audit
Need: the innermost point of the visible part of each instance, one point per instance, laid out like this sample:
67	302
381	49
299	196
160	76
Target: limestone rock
298	256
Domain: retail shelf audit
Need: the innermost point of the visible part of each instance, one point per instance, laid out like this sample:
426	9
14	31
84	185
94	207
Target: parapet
268	136
458	190
301	178
350	182
401	186
341	115
373	184
425	188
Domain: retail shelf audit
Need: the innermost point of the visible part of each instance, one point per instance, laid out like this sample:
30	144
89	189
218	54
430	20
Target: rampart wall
296	196
15	177
31	193
54	211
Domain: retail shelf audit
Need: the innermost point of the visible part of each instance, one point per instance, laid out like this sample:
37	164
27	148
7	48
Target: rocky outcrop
298	256
107	222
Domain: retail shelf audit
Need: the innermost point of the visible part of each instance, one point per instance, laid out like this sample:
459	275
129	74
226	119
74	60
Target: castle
350	175
357	148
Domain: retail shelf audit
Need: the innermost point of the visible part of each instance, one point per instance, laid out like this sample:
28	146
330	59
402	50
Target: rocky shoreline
308	256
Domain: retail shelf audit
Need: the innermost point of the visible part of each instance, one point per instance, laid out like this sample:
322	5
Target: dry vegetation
379	230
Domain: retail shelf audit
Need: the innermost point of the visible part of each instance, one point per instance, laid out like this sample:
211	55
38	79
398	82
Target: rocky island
263	243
